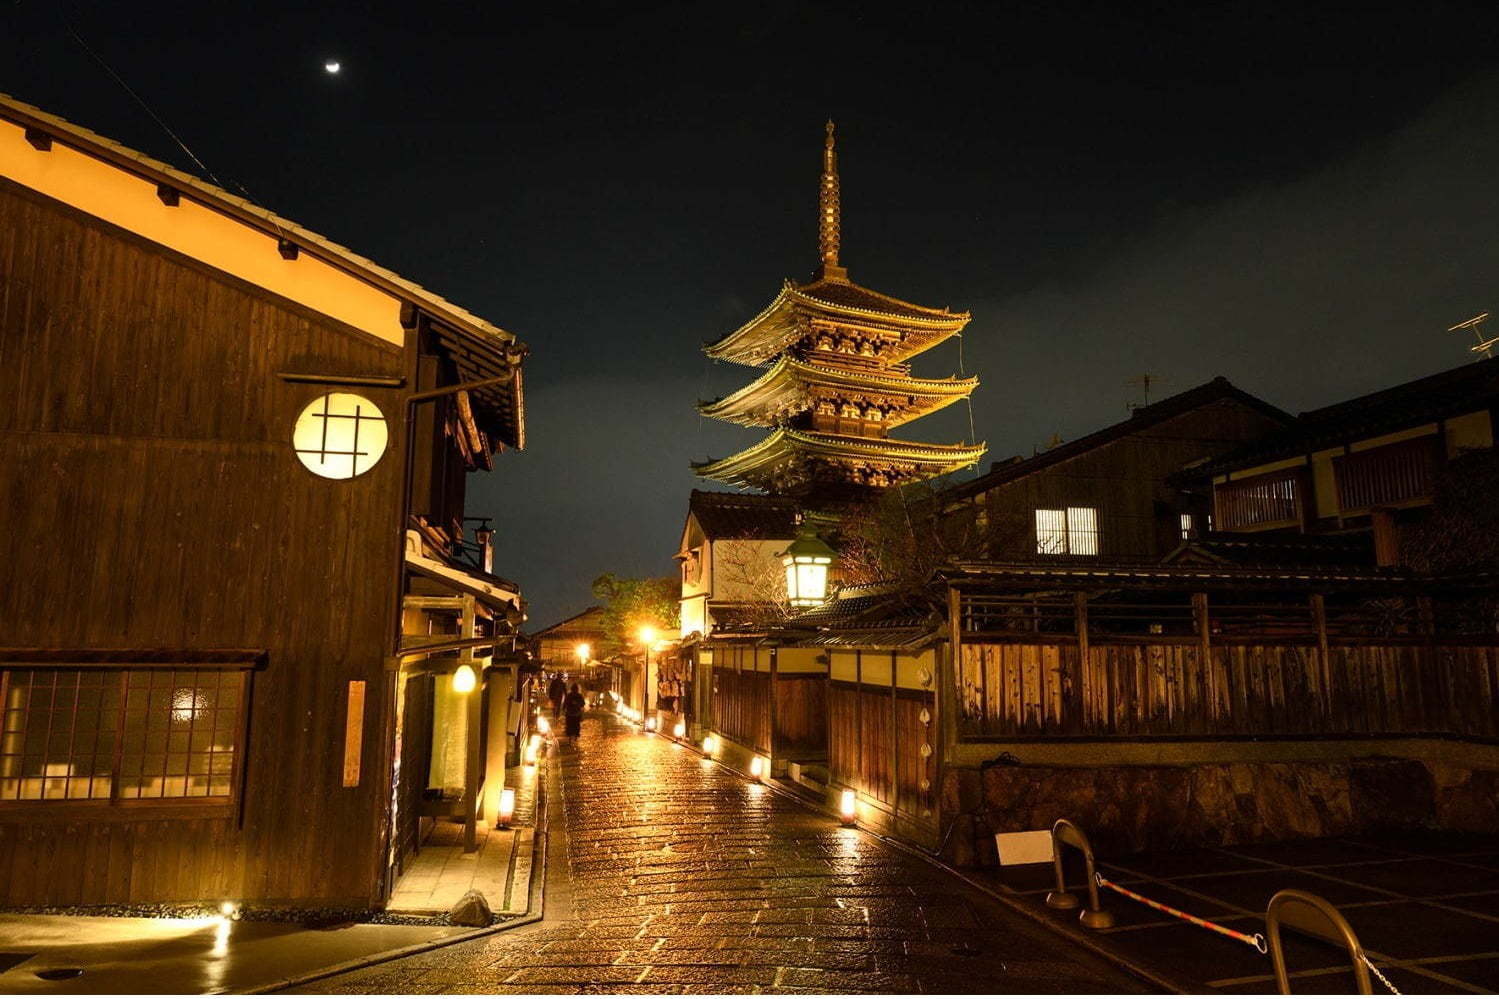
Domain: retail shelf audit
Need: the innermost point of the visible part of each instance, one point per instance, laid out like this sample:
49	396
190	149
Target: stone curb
534	912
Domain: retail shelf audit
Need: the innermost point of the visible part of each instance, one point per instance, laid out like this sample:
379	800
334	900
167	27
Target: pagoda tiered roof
787	389
836	382
785	321
791	454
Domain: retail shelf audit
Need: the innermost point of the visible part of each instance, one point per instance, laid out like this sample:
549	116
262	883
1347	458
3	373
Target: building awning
495	592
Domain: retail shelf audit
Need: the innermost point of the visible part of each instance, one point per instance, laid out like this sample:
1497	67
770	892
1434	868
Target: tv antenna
1143	383
1485	346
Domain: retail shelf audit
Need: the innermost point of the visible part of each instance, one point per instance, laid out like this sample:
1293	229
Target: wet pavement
113	955
670	874
1425	906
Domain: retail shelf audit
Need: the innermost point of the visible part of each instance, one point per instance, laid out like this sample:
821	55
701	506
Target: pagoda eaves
788	459
902	329
793	386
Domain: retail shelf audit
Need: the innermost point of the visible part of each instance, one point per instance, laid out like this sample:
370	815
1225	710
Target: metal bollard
1317	917
1065	833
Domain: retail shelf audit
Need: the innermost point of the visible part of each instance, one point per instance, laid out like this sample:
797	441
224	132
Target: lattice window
1187	526
1395	473
114	735
1072	530
1263	501
340	435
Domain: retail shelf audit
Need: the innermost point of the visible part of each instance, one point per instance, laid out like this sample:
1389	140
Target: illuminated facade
837	380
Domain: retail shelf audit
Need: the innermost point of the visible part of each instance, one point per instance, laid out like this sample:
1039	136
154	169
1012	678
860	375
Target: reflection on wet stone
678	876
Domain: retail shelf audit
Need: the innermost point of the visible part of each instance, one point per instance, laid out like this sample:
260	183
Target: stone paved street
674	875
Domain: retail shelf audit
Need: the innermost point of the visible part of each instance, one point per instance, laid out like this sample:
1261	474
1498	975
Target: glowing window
106	735
1073	531
340	435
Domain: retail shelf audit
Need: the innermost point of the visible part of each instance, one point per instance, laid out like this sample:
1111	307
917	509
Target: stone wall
1125	809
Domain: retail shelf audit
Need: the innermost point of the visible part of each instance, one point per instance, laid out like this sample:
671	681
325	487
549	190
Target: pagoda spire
829	214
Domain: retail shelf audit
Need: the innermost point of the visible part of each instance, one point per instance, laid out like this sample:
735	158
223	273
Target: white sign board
1030	847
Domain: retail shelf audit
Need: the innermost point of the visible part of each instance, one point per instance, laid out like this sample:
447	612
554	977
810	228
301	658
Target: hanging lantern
806	562
464	680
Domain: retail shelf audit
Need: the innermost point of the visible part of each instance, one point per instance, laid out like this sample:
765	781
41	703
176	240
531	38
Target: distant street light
464	680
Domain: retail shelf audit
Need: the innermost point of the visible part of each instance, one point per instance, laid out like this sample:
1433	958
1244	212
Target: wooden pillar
1324	653
471	769
1205	653
1073	695
895	733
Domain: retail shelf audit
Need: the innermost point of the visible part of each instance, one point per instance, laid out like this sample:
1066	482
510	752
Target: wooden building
1371	466
557	645
1160	683
837	380
1110	493
232	458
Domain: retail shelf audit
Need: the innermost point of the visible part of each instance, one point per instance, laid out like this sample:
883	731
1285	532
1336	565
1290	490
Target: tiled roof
743	515
852	296
1276	550
1141	419
1447	393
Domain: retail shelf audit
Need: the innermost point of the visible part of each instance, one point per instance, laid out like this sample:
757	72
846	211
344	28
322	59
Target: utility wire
68	23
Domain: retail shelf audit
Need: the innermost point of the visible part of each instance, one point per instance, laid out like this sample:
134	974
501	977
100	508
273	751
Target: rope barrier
1380	975
1257	941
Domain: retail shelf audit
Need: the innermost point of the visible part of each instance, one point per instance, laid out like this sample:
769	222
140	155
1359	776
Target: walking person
572	711
556	691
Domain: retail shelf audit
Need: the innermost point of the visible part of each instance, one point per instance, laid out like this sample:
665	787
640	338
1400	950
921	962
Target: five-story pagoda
836	382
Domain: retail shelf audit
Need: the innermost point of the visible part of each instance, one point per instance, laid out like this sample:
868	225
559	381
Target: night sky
1299	198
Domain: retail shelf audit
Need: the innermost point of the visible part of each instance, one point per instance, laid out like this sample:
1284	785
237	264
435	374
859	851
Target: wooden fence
1174	689
741	707
1159	670
875	735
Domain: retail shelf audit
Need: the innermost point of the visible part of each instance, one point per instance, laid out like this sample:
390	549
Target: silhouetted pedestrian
556	690
572	710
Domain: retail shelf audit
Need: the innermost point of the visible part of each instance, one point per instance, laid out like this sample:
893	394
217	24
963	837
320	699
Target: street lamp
583	652
647	638
806	562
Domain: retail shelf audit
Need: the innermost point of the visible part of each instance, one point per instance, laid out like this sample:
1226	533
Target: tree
630	604
744	567
1462	532
905	534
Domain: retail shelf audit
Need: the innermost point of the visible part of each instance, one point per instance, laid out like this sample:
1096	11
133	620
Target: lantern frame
807	560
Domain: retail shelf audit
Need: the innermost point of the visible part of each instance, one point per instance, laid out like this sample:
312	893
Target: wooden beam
368	381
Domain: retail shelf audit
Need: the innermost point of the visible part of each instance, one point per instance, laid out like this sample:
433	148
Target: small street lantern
806	563
583	651
464	680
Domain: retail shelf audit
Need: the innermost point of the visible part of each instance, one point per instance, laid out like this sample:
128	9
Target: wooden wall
741	707
800	713
1172	688
1125	480
876	732
153	500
